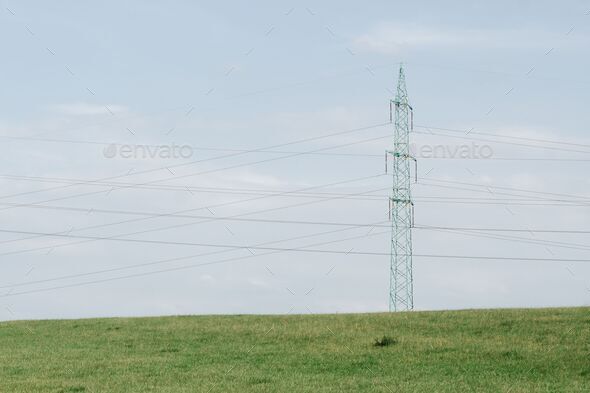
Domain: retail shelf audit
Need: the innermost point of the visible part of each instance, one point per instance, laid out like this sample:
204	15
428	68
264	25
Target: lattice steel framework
401	294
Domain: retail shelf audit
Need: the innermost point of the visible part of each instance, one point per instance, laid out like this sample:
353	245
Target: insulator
390	112
389	210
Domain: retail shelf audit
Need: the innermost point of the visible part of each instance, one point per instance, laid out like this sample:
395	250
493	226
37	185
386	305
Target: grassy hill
465	351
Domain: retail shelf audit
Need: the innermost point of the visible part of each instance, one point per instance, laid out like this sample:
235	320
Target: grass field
466	351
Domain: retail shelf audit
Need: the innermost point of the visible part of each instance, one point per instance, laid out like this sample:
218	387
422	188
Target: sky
228	158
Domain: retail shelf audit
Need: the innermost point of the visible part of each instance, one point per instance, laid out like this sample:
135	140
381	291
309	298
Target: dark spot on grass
585	373
507	324
384	341
71	389
259	381
113	328
511	355
169	350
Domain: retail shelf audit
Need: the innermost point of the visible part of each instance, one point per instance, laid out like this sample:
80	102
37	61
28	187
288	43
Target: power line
168	260
499	258
528	230
465	136
429	179
185	267
491	258
487	191
192	216
250	191
468	132
178	225
542	242
504	203
360	155
438	256
532	159
211	159
155	216
148	241
428	128
181	188
541	200
192	147
269	151
194	174
199	173
87	210
284	221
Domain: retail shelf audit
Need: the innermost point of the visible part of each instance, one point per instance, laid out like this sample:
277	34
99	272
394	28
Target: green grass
465	351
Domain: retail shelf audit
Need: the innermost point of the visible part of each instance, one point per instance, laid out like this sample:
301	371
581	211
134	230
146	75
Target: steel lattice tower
401	294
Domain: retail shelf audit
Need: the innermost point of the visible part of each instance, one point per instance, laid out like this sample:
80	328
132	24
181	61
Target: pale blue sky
249	75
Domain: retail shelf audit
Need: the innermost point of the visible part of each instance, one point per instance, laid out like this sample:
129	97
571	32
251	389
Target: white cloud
257	179
391	39
207	278
85	109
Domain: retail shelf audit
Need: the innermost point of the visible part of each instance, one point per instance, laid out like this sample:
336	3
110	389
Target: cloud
393	39
85	109
207	278
257	179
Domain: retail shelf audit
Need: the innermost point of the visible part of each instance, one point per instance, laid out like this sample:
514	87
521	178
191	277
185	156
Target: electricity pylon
401	208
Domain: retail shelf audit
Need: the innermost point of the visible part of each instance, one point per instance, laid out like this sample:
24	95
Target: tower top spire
402	93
